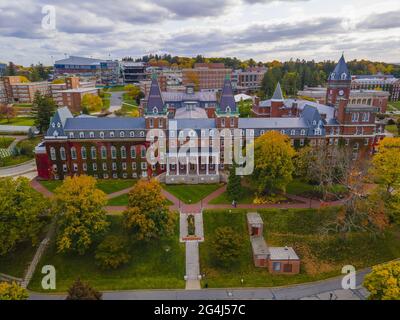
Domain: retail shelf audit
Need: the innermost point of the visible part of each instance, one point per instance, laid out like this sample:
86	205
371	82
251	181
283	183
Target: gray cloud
385	20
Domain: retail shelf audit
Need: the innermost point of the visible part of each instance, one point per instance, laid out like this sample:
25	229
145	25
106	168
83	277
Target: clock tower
338	91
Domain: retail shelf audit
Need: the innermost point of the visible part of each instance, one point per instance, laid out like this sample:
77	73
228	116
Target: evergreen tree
43	109
234	187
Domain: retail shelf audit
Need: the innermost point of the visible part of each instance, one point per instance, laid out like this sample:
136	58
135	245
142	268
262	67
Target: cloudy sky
261	29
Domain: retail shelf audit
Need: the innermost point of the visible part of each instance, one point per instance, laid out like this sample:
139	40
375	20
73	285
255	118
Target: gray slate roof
115	123
271	123
155	99
75	60
195	124
341	71
259	246
227	97
278	95
282	253
183	96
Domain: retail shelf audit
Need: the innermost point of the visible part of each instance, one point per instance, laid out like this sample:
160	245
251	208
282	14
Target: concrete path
14	129
18	170
115	101
192	265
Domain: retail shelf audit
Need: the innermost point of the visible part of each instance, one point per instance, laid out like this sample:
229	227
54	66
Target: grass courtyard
18	121
16	262
190	194
321	256
159	264
107	186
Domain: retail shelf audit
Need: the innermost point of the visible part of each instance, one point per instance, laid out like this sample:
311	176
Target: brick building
116	147
210	76
248	80
387	83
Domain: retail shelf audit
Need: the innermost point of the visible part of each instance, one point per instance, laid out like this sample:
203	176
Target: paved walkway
18	170
115	101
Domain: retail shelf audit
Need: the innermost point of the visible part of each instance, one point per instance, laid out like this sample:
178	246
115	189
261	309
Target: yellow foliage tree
92	102
12	291
383	282
82	217
273	164
148	215
23	79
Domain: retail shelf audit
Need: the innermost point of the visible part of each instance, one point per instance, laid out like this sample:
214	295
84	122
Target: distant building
248	80
210	76
103	71
16	91
72	98
133	72
382	82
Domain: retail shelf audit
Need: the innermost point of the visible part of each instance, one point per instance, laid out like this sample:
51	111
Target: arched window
132	134
81	135
53	153
63	154
123	152
101	134
83	152
143	152
303	132
142	133
283	131
73	153
113	152
293	132
262	132
93	152
228	109
133	152
344	76
155	110
103	152
122	134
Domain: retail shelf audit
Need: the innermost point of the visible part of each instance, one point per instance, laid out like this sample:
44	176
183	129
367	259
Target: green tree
92	102
291	83
383	282
22	213
12	291
83	291
226	245
82	217
148	215
273	164
112	252
132	91
234	187
43	109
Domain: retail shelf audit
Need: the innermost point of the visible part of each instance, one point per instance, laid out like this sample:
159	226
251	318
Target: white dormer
155	110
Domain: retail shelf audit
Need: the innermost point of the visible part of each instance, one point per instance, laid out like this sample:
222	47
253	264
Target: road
25	168
115	101
322	290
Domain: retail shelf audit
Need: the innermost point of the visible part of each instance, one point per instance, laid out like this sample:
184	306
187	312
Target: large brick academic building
116	147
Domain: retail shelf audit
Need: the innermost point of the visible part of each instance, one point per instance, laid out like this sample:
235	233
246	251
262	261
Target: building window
114	166
283	131
53	153
123	165
123	152
62	153
142	133
317	132
133	165
101	134
71	135
354	117
143	165
104	166
366	142
75	166
262	132
64	167
83	153
94	166
292	132
73	153
81	135
151	122
301	142
91	134
365	117
113	152
133	152
143	152
232	122
93	152
276	266
132	134
223	122
112	134
122	134
103	152
160	123
303	132
84	166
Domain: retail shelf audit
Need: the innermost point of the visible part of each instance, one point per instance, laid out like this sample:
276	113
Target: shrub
112	252
82	291
12	291
227	245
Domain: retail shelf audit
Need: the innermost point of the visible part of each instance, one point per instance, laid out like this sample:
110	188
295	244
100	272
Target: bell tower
155	111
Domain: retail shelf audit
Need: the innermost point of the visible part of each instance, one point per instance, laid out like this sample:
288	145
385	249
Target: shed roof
283	253
254	218
259	246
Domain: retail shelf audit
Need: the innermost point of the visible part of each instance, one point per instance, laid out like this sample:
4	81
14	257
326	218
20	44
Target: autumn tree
273	167
132	91
226	245
234	187
12	291
193	77
43	109
148	216
83	291
112	252
22	213
383	282
92	103
82	218
7	112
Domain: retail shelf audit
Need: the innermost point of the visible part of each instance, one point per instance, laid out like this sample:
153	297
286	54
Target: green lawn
122	200
392	129
16	262
322	256
116	88
18	121
6	141
108	186
394	105
191	193
22	105
247	198
14	160
159	264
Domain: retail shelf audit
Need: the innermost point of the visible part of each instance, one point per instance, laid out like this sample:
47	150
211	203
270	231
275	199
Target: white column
167	166
187	165
177	166
208	160
217	165
197	163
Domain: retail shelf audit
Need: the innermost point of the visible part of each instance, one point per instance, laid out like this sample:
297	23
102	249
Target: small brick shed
255	224
283	260
260	251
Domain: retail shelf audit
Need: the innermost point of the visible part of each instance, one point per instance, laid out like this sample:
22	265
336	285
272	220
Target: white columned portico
208	160
177	166
167	165
216	164
187	165
197	165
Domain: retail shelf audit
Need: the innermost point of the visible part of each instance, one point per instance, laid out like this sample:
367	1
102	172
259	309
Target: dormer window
53	125
303	132
101	134
58	125
71	135
122	134
91	134
228	109
132	134
142	133
155	110
112	134
314	123
333	76
344	76
81	135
